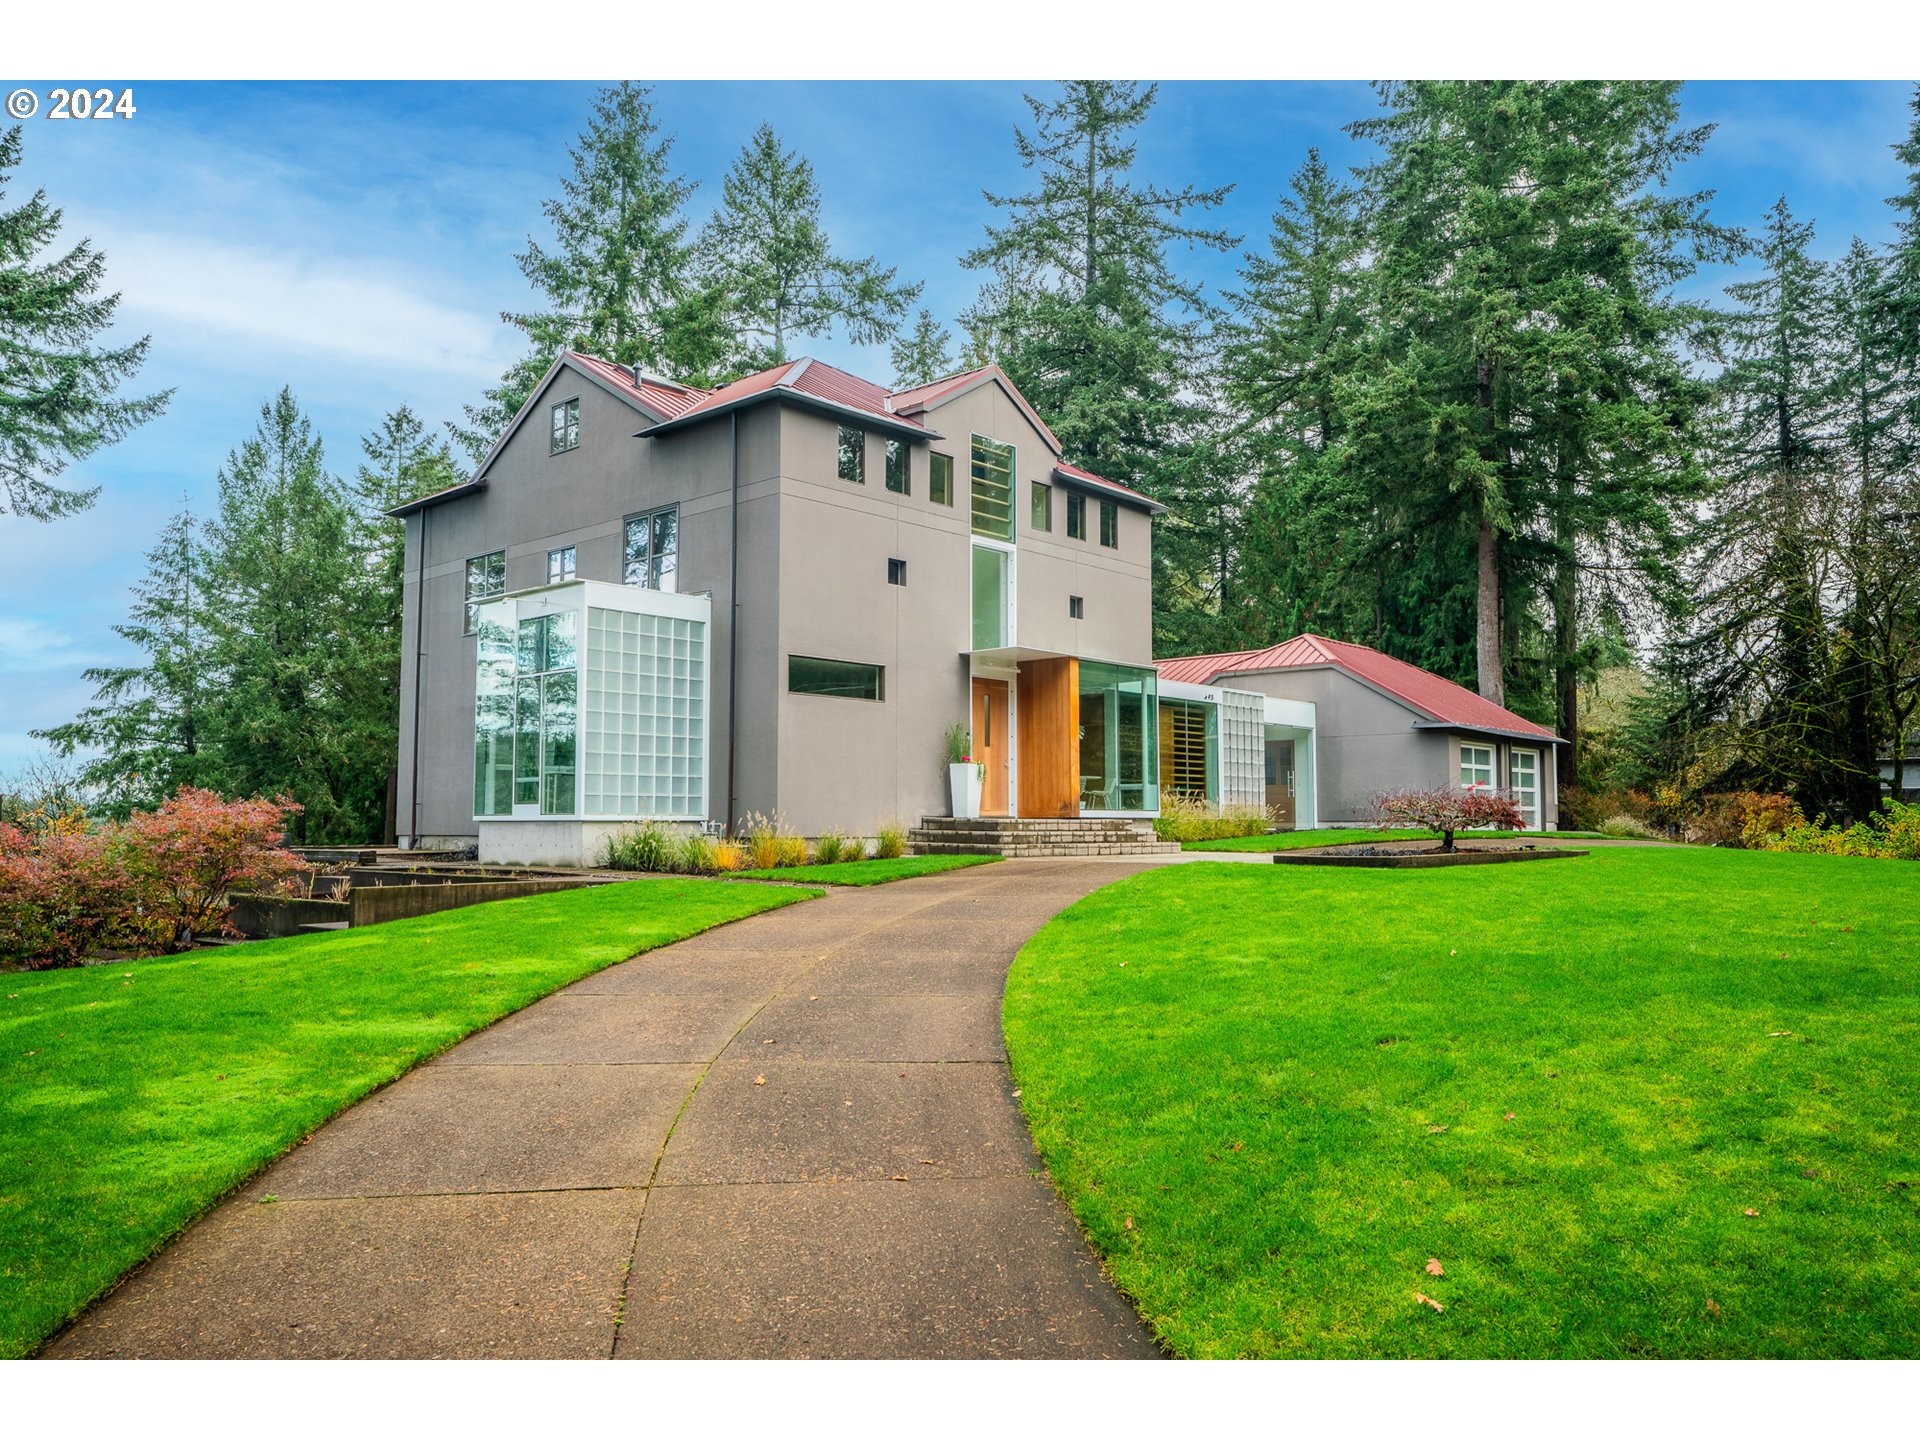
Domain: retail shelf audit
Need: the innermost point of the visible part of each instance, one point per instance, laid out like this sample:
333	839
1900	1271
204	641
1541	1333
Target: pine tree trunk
1566	638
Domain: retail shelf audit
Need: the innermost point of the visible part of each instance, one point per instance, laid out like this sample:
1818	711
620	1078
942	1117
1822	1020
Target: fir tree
619	280
146	721
1087	315
401	462
922	355
281	587
764	250
57	385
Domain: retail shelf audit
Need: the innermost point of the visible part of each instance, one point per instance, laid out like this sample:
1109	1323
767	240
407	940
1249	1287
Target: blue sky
356	242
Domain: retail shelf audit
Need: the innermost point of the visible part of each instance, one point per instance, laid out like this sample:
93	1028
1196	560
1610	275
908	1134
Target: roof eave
799	399
453	492
1539	737
1108	491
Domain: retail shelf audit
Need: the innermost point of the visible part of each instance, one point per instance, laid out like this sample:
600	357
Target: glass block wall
645	717
1243	735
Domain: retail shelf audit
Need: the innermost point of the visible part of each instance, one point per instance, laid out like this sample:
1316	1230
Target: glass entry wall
1119	738
590	700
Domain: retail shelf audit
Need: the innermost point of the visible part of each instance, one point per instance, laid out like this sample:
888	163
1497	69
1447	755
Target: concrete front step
948	835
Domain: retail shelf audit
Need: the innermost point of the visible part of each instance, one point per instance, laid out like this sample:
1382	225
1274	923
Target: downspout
733	614
419	653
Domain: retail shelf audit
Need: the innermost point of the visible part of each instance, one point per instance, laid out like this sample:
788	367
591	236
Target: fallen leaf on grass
1438	1129
1237	1146
1129	1222
759	1079
1428	1300
1433	1268
1751	1213
1776	1034
1712	1309
1509	1115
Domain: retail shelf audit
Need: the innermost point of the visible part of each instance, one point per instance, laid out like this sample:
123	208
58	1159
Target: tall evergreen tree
281	585
618	281
401	461
57	383
922	354
1303	561
1085	312
145	727
765	250
1521	388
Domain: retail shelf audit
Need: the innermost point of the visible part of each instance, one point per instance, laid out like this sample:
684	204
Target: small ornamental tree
1446	809
186	858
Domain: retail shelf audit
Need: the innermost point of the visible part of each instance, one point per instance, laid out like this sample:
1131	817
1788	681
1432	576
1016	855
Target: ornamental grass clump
1185	817
890	841
647	846
829	847
1443	810
771	844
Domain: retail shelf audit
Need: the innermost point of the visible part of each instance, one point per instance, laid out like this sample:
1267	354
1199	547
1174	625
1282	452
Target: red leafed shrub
152	884
63	894
184	859
1445	809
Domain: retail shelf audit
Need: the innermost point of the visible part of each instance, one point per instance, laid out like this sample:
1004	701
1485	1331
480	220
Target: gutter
733	616
419	657
1533	735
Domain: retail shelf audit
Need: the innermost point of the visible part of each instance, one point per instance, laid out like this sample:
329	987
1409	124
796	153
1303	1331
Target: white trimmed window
1476	765
1523	778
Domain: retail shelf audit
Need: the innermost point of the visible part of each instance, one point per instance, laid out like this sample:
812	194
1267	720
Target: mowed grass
1272	1095
869	872
134	1096
1304	839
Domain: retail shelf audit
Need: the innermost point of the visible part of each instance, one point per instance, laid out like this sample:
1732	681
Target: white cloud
300	302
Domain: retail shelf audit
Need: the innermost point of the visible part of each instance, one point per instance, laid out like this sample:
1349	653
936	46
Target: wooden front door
991	745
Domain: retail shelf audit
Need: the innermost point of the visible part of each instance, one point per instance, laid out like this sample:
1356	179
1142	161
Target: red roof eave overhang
799	399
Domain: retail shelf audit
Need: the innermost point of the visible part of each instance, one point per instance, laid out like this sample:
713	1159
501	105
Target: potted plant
964	774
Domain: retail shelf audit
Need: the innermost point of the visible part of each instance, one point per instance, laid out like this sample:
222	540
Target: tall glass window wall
1189	749
1119	737
991	570
623	707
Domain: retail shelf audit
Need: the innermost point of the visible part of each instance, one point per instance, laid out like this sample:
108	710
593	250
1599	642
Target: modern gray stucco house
1383	724
658	601
654	601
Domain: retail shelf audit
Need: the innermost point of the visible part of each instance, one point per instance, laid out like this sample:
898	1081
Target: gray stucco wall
813	581
535	502
851	764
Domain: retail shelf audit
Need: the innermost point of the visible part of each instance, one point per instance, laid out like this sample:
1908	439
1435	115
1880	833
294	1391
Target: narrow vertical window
896	572
1076	516
897	478
560	564
940	478
651	557
1076	608
1110	524
853	455
993	499
1042	507
486	577
566	425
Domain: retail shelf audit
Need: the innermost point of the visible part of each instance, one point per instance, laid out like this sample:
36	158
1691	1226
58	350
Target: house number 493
90	104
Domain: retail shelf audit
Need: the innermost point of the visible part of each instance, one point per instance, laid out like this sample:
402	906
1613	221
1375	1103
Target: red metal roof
1078	474
1424	691
805	377
663	397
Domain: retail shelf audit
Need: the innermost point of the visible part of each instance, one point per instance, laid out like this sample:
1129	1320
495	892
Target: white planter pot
963	787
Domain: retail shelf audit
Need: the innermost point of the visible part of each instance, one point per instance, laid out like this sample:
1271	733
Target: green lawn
134	1096
1301	839
869	872
1656	1102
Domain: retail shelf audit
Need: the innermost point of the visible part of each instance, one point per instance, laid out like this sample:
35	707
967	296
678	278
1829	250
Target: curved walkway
791	1136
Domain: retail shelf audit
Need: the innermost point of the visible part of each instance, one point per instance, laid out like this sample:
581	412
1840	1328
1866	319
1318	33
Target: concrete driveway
791	1136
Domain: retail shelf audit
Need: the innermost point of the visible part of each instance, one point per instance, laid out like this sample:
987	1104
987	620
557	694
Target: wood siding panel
1050	738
